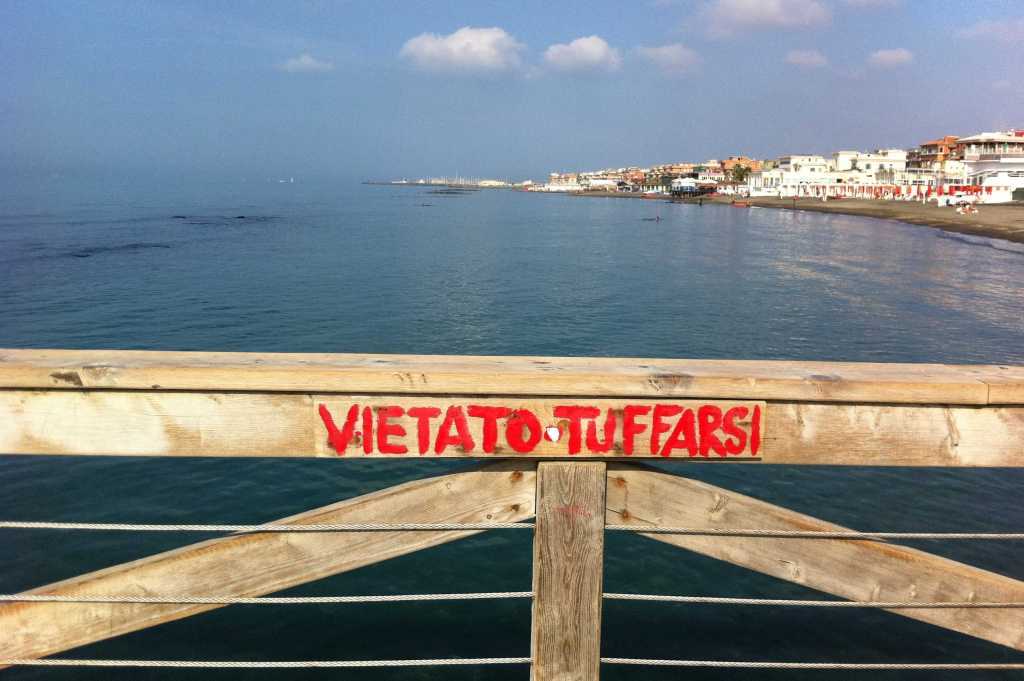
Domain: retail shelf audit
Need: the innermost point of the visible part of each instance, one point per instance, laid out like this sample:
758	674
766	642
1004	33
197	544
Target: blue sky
353	90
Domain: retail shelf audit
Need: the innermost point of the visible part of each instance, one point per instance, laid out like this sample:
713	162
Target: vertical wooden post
568	562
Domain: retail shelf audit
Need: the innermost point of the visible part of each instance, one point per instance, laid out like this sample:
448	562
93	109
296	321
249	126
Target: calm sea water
270	267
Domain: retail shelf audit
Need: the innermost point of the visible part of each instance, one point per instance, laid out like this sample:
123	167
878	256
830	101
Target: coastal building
691	186
560	182
634	176
741	161
806	163
656	181
731	188
788	176
1004	144
712	174
679	169
989	166
933	154
685	186
880	159
994	161
600	183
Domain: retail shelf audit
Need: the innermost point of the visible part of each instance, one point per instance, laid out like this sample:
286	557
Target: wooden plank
156	423
1005	383
568	564
855	570
877	435
584	376
258	564
288	424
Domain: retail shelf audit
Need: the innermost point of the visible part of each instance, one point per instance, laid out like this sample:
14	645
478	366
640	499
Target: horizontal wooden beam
852	569
161	423
258	564
583	376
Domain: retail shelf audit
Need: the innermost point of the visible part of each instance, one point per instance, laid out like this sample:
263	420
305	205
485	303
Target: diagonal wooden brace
859	570
262	563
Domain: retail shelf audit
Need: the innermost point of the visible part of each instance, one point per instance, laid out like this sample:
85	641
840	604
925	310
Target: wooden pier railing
560	433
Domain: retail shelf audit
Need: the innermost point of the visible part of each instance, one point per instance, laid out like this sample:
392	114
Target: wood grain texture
568	564
159	423
855	570
894	435
156	423
1005	383
619	377
258	564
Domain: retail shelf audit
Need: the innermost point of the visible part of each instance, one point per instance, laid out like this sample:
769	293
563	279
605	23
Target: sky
388	89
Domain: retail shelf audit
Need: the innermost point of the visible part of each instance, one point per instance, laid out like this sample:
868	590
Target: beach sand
1000	221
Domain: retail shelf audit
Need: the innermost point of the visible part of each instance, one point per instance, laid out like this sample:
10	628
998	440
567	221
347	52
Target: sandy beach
1000	221
1005	221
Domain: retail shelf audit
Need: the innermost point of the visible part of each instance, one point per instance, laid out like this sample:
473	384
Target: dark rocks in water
450	191
180	217
122	248
226	220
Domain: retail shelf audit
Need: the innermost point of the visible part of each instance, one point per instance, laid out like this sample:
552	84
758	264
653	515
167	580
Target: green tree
740	173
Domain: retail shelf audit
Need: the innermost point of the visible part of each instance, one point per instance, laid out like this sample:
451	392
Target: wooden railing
561	432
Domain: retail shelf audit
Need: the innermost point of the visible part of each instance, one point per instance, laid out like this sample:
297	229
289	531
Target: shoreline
995	221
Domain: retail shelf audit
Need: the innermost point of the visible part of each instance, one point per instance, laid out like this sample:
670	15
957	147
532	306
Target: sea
301	266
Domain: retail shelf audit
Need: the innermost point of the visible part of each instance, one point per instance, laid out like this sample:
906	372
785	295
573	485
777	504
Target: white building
880	159
994	161
802	163
882	174
790	177
598	183
711	175
686	185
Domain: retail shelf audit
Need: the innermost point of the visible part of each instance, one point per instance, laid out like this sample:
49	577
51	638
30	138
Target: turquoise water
373	269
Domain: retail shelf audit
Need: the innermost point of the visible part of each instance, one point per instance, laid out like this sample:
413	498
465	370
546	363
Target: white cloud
1007	30
583	54
887	59
673	59
305	63
728	17
808	58
467	50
